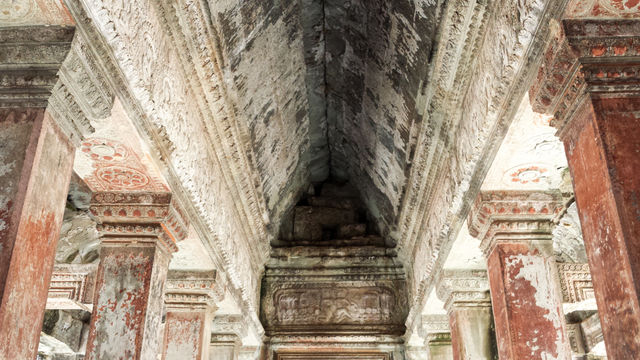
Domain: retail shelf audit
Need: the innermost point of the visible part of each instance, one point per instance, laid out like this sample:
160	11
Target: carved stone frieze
346	307
592	330
574	333
575	282
463	288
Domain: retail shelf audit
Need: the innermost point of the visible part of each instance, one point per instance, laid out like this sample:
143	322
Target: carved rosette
514	216
583	57
140	217
464	288
188	290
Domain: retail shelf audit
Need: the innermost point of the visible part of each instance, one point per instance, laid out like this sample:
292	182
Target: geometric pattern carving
575	282
73	282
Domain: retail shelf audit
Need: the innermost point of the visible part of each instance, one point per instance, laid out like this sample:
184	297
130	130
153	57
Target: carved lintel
229	327
186	290
514	216
584	57
464	288
137	216
575	282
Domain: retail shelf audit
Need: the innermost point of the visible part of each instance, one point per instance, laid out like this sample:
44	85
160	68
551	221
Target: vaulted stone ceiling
329	89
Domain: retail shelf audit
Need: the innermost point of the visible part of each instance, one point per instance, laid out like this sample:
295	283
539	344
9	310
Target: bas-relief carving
357	305
603	8
347	307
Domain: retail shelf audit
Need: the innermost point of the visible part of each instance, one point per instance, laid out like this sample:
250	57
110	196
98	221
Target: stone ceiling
342	105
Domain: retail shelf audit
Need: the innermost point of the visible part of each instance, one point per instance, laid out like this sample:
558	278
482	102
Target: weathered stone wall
262	43
376	56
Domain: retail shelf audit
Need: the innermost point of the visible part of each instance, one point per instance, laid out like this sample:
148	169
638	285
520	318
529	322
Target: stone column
226	338
466	297
189	300
515	228
138	230
435	330
36	160
591	83
440	347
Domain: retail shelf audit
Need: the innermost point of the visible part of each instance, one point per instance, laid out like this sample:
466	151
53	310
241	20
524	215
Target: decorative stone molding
226	326
434	324
515	213
73	282
443	338
138	215
586	56
574	333
31	58
592	330
191	289
575	282
466	288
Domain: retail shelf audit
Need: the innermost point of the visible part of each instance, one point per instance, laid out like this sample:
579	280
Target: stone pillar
515	228
466	297
138	233
36	160
226	338
591	83
189	300
440	347
435	331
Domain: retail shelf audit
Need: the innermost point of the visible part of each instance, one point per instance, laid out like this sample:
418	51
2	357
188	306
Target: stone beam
590	81
515	232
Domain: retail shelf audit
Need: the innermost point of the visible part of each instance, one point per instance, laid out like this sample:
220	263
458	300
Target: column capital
227	326
51	66
125	217
72	286
514	216
463	288
187	290
586	56
434	324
